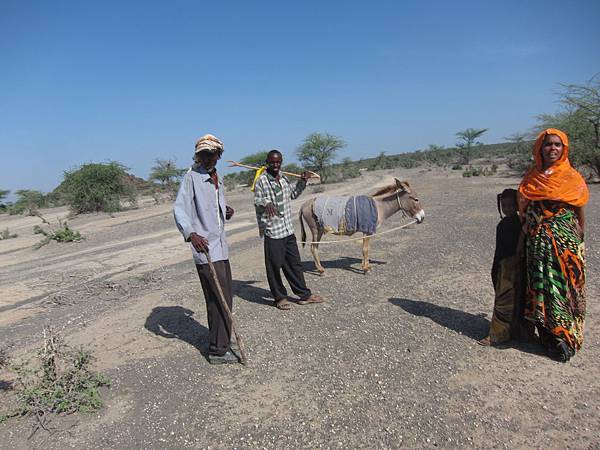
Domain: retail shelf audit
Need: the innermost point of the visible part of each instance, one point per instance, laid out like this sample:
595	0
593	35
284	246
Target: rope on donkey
337	241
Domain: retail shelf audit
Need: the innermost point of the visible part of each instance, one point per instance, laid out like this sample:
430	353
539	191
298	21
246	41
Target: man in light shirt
200	212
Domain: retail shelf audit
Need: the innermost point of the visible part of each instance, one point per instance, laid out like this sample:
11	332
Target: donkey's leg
365	251
314	248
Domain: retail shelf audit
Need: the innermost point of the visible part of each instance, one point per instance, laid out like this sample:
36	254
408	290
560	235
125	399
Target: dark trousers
283	254
219	327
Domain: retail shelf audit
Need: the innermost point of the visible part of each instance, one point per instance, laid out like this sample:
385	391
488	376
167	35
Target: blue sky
132	81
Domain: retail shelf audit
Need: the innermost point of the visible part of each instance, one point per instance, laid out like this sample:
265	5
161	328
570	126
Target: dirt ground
390	360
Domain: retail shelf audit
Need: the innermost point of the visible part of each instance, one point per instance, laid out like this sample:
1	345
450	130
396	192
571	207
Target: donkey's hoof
321	273
366	270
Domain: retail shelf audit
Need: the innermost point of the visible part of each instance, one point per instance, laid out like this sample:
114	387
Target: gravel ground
389	361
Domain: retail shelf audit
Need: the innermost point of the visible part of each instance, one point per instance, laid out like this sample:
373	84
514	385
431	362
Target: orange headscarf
559	182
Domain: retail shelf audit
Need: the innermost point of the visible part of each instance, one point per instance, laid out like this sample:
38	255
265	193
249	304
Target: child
505	271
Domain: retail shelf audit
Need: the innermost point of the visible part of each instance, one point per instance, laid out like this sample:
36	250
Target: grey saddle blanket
346	214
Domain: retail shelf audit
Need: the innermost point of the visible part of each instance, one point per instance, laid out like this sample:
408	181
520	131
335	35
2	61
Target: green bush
6	234
480	171
97	187
60	382
28	202
519	164
61	234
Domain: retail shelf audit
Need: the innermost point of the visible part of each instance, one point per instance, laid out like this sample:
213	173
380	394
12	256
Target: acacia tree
518	139
167	174
318	151
97	187
28	202
246	176
466	139
581	121
255	159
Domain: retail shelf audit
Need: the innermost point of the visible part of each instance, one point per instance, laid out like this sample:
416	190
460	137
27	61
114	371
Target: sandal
283	304
312	299
486	342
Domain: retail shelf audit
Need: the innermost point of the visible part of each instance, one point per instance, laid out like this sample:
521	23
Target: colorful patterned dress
555	271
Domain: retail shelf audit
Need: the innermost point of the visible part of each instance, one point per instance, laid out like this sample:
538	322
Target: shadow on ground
176	322
343	263
475	326
246	291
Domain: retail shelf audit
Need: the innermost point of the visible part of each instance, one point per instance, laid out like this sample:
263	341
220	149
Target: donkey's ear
398	182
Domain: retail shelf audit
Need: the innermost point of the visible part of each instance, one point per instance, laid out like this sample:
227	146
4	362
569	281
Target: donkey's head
405	197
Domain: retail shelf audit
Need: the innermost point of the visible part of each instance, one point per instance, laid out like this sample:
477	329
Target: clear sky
132	81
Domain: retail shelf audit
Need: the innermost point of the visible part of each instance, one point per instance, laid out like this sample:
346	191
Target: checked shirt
268	190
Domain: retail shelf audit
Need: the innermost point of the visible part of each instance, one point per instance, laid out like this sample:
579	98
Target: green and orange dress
555	271
551	199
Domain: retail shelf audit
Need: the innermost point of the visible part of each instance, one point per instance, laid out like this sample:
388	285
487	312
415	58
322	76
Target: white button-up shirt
200	208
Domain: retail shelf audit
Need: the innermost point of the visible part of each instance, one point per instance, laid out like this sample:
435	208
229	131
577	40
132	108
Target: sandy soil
389	361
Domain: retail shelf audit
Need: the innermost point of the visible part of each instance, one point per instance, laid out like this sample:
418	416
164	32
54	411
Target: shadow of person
475	326
245	290
344	263
177	322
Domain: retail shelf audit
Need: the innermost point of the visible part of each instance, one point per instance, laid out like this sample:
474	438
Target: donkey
390	199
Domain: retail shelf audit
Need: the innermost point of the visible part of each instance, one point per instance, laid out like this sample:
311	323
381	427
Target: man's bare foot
283	304
312	299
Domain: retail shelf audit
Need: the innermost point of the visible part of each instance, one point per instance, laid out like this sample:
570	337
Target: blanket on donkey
346	215
361	214
331	213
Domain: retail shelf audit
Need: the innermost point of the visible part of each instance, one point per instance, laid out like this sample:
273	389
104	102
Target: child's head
507	202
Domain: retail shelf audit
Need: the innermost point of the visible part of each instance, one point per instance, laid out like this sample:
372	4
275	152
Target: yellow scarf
259	172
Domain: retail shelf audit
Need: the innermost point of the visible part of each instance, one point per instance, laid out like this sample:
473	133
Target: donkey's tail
303	235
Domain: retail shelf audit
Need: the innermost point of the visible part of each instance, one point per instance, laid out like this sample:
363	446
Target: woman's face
552	149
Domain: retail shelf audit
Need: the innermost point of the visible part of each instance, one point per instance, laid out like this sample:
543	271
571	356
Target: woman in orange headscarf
552	196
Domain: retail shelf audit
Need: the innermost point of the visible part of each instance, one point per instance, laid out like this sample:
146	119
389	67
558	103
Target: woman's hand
580	214
580	231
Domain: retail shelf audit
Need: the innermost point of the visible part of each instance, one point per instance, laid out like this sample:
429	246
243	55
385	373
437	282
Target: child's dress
506	277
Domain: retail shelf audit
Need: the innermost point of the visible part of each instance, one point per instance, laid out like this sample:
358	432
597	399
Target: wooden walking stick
291	174
225	307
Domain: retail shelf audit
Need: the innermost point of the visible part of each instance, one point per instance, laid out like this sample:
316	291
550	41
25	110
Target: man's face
209	160
274	161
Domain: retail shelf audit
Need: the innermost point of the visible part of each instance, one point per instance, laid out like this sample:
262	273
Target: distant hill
502	152
484	160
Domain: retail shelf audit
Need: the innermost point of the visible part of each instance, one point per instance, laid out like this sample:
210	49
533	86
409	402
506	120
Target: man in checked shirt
272	200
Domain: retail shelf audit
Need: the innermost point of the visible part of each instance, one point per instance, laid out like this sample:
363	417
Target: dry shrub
57	381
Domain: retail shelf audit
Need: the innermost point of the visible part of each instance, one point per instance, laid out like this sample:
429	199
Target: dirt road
389	361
